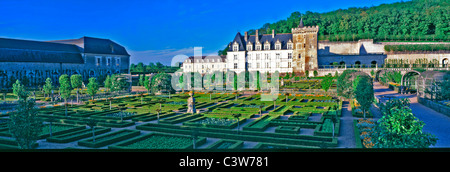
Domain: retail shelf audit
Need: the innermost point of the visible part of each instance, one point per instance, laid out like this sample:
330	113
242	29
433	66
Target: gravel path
346	137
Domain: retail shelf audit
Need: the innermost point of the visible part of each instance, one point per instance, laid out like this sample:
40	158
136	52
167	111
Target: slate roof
96	45
15	50
60	51
221	58
283	38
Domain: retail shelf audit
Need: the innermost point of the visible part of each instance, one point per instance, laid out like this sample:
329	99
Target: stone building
300	51
204	64
286	53
34	61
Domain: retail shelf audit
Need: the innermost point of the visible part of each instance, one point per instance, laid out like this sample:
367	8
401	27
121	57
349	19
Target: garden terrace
300	121
264	137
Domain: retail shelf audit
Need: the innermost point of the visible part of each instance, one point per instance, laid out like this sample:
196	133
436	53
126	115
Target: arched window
445	62
91	73
358	64
342	64
373	64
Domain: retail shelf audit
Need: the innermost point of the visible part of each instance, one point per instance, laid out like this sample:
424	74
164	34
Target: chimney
246	36
257	36
273	33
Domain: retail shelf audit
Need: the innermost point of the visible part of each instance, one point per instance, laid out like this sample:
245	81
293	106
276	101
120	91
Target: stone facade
305	48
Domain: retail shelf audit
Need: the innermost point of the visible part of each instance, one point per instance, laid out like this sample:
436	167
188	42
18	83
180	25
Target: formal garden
148	121
160	118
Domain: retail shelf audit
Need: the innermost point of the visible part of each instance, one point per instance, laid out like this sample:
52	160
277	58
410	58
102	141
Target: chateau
34	61
300	51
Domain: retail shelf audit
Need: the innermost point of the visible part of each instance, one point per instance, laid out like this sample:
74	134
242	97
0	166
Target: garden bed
287	130
159	141
109	138
77	135
226	144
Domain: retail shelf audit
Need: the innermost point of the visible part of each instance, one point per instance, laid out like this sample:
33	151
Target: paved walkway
346	137
435	122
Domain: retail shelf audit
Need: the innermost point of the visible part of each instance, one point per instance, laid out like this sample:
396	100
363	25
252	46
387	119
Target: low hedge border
287	130
358	140
124	144
43	136
261	145
77	135
231	126
12	144
236	144
244	135
318	132
89	142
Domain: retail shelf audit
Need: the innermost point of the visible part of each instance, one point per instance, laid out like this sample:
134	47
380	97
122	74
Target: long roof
15	50
96	45
62	51
240	40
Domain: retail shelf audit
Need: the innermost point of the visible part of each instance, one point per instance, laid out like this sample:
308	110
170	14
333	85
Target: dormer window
249	48
289	46
112	48
278	46
258	47
235	48
266	47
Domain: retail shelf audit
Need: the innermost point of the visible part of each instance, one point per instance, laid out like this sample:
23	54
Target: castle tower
305	48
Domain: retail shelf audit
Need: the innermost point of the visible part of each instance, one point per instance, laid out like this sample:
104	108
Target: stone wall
435	106
350	48
352	59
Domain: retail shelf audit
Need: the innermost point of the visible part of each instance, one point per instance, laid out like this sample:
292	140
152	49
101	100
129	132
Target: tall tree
326	82
147	83
76	81
364	93
92	87
48	87
18	89
108	83
64	89
24	125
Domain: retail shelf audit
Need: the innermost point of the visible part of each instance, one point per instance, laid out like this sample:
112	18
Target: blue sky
153	31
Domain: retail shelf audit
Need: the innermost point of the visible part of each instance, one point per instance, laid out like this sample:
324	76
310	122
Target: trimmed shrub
109	138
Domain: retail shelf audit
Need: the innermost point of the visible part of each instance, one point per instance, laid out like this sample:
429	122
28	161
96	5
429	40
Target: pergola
429	80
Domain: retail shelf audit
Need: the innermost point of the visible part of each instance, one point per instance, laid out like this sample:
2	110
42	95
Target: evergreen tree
364	93
108	83
48	87
24	125
18	89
